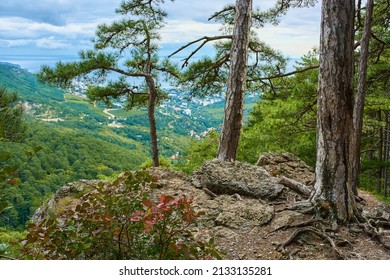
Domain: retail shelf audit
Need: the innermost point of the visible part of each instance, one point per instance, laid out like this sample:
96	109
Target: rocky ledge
251	209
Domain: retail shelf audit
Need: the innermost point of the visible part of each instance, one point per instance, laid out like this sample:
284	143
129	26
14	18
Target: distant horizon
33	62
28	62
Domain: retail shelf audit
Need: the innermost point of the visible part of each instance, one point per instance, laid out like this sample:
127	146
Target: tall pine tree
128	48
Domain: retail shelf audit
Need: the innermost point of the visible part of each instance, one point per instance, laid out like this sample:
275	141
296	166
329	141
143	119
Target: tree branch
205	40
290	73
128	74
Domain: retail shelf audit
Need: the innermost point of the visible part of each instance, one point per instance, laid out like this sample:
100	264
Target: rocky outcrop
288	165
66	196
249	209
221	177
229	211
235	195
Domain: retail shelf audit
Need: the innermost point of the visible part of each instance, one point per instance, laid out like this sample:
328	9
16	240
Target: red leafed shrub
118	220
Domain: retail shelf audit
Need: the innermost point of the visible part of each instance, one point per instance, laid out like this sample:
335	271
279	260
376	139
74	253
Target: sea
33	63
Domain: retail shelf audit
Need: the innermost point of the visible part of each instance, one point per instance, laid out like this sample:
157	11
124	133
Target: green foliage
12	127
199	152
118	220
285	119
66	156
9	243
164	162
29	89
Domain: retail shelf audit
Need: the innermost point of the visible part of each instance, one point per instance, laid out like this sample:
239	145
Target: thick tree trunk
333	186
360	97
152	119
236	84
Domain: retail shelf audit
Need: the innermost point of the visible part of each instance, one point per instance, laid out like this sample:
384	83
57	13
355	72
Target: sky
39	32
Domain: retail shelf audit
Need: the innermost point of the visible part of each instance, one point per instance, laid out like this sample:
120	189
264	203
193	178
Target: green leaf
37	149
3	206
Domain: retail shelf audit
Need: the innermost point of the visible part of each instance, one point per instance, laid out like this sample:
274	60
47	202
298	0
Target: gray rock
285	218
243	214
236	177
288	165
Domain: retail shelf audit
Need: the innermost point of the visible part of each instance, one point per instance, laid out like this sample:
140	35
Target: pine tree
128	48
242	63
12	127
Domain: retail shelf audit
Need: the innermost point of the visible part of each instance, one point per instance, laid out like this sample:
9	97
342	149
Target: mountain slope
85	140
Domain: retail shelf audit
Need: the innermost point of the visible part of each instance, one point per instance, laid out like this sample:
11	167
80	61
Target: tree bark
360	96
379	174
333	186
236	84
386	156
152	119
152	99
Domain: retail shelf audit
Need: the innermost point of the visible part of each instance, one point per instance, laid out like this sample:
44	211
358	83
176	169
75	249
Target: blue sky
49	28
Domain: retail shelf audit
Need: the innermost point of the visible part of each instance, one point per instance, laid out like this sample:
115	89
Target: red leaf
147	203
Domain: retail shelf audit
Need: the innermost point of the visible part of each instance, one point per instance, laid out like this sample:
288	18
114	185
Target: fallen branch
296	186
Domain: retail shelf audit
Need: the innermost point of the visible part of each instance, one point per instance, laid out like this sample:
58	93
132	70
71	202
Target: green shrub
164	162
118	220
9	245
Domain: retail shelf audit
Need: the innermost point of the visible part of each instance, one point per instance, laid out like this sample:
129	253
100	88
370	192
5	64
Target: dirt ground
262	242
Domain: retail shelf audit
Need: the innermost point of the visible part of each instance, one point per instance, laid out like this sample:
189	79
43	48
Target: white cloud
16	31
51	43
70	24
177	31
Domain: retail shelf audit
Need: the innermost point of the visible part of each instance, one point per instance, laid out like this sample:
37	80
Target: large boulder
220	177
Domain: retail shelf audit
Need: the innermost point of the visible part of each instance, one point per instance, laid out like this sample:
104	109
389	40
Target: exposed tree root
370	227
310	222
300	231
303	207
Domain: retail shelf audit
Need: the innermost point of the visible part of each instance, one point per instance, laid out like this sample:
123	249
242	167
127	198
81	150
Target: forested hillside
83	140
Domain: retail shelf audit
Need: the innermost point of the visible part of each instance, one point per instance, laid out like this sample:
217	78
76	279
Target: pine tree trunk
360	97
152	99
379	176
152	119
333	186
386	156
236	84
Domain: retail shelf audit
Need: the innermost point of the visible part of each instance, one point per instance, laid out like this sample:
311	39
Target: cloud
297	33
42	43
71	24
183	31
16	31
58	12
